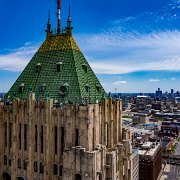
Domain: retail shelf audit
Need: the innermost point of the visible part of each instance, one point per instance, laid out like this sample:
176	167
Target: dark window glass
55	169
35	167
5	134
20	136
36	138
78	177
62	140
5	160
77	138
25	165
19	163
25	137
41	168
55	139
42	139
61	170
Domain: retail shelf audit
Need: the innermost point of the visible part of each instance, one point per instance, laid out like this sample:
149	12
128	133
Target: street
172	172
177	152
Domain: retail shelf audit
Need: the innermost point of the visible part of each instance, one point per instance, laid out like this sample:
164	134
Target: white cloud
120	82
116	52
173	78
154	80
17	59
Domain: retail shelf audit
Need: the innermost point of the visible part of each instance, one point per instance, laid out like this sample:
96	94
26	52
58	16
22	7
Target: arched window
55	169
19	163
78	177
6	176
35	167
5	160
41	168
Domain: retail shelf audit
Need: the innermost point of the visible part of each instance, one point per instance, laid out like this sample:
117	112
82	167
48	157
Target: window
61	170
5	134
25	137
9	162
38	68
41	168
42	88
78	177
55	139
20	136
87	87
64	89
85	67
25	165
55	169
77	138
5	160
36	138
35	167
21	88
10	135
19	163
42	139
98	88
59	67
62	140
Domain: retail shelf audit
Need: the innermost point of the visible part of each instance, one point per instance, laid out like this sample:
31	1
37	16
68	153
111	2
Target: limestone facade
40	140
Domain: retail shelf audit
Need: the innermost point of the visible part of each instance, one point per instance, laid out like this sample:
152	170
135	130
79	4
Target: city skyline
131	46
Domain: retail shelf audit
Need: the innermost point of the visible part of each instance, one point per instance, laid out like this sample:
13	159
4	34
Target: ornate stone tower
57	121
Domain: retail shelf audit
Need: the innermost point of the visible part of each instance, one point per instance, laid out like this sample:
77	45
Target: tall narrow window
41	168
21	88
10	135
35	167
77	138
55	139
59	67
55	169
61	170
5	160
5	134
25	137
36	138
38	67
20	136
42	139
24	165
19	163
62	140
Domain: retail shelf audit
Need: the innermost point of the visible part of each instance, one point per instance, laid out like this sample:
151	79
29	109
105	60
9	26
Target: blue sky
132	45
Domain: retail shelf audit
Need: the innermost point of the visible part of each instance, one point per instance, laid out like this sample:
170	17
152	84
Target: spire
69	21
58	16
48	30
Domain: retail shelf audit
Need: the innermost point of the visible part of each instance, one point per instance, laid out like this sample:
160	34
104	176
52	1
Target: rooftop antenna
69	22
48	30
59	16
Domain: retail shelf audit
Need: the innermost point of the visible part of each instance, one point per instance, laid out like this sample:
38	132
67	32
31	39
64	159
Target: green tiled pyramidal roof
58	70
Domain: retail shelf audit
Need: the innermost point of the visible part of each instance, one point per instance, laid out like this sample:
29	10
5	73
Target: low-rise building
150	161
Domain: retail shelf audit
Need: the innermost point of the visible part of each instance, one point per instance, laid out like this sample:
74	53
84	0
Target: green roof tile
60	69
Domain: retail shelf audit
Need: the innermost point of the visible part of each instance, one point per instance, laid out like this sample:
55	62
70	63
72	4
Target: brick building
150	161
